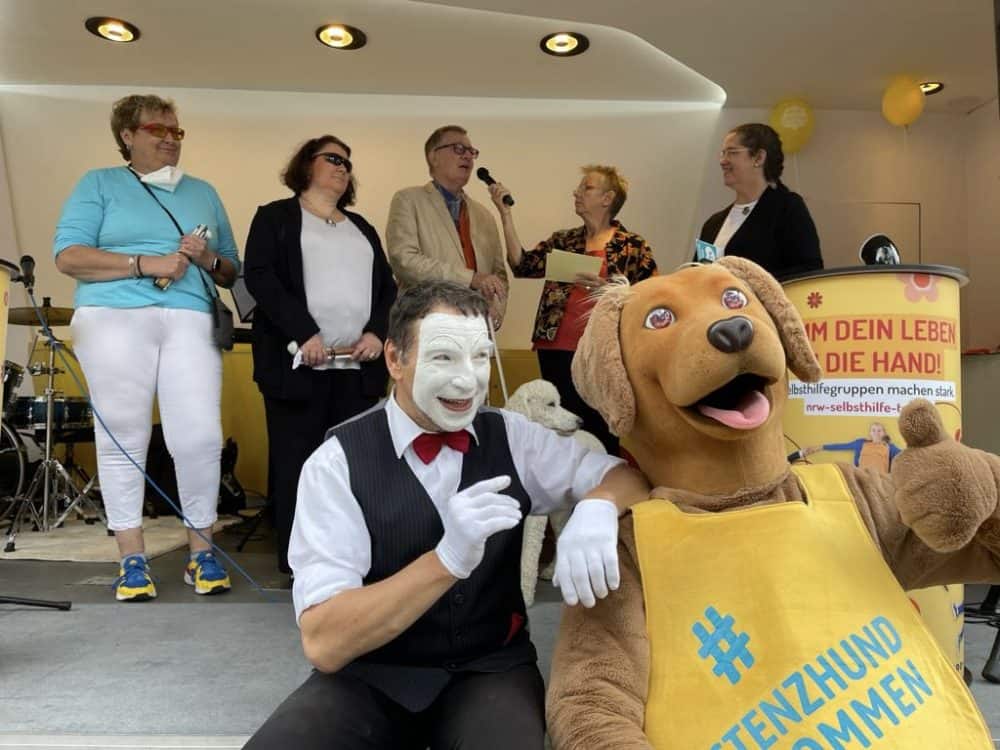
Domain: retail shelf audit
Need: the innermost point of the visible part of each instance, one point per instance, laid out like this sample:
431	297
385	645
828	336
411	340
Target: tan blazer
422	241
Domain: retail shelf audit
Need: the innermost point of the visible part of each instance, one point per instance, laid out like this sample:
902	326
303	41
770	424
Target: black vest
479	625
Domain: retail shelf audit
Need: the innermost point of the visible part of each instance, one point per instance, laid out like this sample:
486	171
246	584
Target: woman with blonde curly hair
562	310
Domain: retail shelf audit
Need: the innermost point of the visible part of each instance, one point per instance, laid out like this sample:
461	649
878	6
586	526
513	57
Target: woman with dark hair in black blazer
768	223
321	281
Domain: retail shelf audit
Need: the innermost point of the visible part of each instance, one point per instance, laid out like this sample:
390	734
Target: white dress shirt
330	549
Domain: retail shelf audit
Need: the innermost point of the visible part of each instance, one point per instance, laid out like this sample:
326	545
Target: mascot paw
944	490
920	424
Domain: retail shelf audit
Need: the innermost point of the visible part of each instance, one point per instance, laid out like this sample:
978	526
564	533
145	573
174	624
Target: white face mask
164	177
452	369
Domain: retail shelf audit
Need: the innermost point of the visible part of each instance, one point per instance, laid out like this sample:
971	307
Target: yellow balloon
903	101
793	119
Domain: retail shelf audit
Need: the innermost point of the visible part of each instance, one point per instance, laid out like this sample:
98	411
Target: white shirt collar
403	429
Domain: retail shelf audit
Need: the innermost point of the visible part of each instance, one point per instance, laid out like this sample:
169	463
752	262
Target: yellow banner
882	340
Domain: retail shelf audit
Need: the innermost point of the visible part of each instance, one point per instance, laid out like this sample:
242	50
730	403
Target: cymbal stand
26	277
53	478
72	496
26	512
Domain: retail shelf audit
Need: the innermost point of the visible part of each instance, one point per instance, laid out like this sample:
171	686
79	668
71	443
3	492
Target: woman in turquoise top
121	229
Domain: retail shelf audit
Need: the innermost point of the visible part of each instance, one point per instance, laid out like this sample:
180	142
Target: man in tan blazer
436	231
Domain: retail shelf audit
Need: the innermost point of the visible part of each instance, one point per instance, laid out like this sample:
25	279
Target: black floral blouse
627	255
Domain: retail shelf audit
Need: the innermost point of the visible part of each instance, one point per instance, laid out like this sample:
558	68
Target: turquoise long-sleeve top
110	209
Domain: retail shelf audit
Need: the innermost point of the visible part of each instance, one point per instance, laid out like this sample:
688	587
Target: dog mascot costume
754	610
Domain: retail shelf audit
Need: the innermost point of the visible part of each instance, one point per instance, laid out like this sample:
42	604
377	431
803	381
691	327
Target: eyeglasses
336	160
159	130
461	149
729	153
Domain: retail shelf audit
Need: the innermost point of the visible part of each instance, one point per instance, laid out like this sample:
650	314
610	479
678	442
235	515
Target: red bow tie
428	444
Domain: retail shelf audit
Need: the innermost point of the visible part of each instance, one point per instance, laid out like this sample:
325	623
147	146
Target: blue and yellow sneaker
206	575
134	583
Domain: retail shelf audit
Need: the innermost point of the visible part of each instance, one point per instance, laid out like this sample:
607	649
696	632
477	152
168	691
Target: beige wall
981	131
15	340
239	141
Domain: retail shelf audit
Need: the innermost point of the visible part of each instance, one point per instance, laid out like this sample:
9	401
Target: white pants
128	357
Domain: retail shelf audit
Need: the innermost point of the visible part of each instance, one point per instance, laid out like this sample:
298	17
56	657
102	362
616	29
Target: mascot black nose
731	335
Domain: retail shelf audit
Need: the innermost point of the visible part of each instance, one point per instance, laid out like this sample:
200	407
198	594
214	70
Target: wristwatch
215	264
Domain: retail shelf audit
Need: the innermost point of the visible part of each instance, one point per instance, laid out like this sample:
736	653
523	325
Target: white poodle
539	401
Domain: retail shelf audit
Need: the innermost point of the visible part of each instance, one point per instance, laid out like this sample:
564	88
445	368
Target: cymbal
26	316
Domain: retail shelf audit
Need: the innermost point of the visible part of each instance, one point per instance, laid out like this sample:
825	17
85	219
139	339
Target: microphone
163	283
484	174
28	271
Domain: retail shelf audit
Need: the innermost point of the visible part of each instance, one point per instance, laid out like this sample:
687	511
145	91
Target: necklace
328	219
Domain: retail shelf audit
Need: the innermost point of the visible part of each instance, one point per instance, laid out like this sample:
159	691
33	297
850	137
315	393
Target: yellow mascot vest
782	627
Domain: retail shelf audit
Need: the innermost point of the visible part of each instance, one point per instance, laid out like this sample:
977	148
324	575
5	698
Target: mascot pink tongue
752	412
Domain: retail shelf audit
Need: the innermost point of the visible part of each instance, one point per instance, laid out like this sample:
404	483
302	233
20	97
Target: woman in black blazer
323	289
768	223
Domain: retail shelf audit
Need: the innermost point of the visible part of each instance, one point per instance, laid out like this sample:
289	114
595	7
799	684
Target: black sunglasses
336	160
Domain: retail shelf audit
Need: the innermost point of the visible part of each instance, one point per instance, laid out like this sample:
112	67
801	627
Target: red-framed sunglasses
159	130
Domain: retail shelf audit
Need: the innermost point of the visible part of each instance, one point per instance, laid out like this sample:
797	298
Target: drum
72	417
13	374
14	464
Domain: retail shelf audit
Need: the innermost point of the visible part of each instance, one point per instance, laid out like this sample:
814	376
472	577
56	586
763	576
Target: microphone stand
17	600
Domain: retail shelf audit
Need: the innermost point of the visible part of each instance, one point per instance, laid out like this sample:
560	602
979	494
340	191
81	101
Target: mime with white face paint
406	550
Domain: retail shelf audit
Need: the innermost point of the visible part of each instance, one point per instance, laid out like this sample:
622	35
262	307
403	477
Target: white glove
587	553
470	518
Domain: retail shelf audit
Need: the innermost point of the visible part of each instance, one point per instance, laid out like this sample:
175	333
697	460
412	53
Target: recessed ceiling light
564	44
341	36
112	29
931	87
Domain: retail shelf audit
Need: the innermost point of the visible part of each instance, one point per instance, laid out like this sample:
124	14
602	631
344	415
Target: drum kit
30	428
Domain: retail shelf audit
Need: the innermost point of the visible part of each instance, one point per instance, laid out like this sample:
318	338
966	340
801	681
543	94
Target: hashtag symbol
723	645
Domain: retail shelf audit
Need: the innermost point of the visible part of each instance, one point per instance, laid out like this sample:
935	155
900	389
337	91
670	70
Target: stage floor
193	672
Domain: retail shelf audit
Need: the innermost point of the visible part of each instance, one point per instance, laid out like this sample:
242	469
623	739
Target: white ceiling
412	48
838	54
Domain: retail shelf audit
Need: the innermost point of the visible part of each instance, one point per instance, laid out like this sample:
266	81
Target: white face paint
452	370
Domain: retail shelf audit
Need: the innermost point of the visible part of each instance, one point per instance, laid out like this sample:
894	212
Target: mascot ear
598	370
798	353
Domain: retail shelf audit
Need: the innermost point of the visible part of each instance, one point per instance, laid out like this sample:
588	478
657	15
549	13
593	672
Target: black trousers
294	430
476	711
555	367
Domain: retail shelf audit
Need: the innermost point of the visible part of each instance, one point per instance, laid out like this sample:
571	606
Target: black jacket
779	234
273	273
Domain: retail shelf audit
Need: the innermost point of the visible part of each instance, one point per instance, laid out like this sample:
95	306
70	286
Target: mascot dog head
690	368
